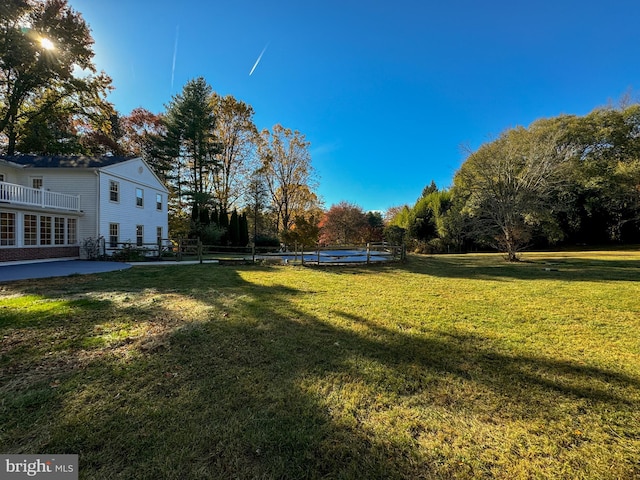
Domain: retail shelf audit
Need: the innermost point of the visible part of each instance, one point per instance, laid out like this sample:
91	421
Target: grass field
442	367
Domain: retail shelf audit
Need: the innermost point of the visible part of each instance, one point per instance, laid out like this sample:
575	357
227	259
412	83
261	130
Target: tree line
567	180
221	171
561	181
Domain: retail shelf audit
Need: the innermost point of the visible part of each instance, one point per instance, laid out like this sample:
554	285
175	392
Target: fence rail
172	250
344	254
181	249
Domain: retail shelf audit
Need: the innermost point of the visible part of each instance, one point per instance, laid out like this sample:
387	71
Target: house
50	204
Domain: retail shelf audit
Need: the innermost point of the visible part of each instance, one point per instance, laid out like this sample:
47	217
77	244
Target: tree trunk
12	139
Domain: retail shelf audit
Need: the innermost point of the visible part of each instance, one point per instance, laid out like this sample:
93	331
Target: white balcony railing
35	197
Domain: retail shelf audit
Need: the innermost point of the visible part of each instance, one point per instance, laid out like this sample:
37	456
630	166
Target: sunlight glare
47	44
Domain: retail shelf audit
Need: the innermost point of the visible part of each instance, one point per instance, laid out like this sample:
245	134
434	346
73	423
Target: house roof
64	161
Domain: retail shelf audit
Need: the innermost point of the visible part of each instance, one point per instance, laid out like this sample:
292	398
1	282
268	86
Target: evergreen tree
234	228
244	230
215	217
205	220
189	139
224	225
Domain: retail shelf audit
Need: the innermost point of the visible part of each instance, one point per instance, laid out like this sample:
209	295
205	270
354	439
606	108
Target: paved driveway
9	273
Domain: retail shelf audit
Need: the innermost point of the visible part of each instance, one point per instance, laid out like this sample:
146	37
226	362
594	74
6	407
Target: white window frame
8	229
112	191
139	235
34	228
46	237
37	179
114	239
140	197
59	230
72	231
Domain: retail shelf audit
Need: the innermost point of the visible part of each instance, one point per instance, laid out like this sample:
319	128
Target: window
114	191
139	235
139	197
114	229
72	231
7	228
45	230
158	202
58	231
30	229
159	235
2	177
36	182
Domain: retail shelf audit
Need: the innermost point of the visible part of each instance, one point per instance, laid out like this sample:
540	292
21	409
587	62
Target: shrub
130	253
92	247
266	241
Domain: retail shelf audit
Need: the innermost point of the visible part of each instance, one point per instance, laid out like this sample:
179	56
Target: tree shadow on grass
258	388
493	267
471	357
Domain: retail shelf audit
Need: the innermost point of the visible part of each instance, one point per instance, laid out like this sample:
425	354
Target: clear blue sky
387	92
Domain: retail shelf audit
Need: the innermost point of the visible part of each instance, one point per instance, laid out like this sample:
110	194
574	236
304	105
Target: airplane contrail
259	58
175	54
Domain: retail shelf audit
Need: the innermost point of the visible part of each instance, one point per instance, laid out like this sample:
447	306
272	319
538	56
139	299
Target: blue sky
387	93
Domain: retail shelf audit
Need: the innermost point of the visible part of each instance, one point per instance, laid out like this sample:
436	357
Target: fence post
200	250
159	249
368	253
318	254
180	250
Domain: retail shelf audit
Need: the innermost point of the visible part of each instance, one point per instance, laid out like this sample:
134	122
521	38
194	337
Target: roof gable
136	169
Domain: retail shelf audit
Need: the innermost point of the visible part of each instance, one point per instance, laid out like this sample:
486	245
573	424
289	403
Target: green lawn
443	367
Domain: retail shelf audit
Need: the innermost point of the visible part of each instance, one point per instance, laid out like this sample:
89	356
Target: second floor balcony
20	195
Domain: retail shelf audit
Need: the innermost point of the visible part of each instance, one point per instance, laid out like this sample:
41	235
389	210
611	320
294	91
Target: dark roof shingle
64	161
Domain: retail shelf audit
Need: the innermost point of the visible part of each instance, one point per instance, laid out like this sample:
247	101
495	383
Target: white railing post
14	193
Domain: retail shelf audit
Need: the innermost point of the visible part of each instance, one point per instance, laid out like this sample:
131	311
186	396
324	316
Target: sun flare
47	44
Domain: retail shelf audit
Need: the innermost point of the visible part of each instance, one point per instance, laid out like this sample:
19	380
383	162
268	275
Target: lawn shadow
494	267
472	358
246	390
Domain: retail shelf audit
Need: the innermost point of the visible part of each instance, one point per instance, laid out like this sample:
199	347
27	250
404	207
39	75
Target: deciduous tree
139	129
343	224
42	46
375	227
304	232
236	133
509	188
288	174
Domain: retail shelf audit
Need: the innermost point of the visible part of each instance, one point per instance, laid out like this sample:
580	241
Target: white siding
65	180
9	174
75	182
97	210
136	171
131	175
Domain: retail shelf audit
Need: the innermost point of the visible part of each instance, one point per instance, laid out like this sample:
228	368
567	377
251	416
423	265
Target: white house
50	204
